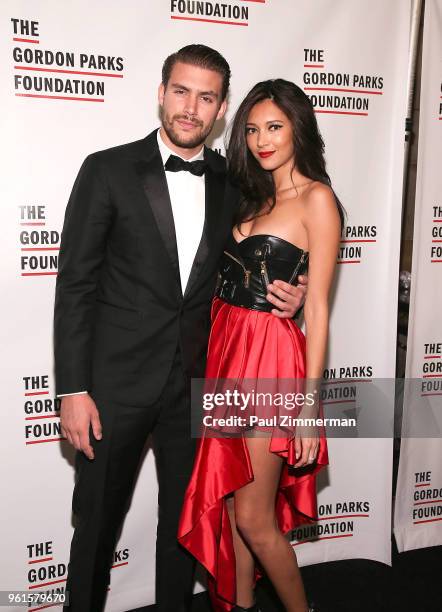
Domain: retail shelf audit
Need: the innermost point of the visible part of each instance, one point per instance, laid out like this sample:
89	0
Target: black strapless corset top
247	267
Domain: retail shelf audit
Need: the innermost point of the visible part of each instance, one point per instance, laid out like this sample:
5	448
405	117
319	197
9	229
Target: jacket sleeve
87	221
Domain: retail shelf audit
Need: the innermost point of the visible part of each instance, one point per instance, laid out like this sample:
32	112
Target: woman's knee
257	529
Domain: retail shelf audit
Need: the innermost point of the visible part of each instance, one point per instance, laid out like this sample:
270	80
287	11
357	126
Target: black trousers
104	486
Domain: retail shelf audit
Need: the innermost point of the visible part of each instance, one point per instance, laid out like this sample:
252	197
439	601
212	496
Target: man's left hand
287	298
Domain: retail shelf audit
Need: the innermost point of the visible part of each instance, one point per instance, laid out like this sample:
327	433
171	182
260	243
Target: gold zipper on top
299	264
247	273
264	273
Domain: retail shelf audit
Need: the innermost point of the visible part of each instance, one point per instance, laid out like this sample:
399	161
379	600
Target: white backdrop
351	57
418	506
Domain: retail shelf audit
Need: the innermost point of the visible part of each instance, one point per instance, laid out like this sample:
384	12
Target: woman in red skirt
250	487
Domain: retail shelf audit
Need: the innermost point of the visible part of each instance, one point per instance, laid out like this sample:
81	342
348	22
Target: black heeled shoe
254	608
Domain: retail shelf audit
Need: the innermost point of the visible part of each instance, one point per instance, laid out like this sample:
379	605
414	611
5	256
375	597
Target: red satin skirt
244	344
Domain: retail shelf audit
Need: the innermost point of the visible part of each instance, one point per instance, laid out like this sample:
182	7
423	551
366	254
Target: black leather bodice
249	266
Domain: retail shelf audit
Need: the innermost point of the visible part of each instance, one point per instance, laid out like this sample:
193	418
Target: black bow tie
176	164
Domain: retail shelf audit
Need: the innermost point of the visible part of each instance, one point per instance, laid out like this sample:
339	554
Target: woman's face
269	135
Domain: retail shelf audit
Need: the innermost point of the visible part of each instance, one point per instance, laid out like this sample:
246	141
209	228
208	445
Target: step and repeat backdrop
82	76
418	505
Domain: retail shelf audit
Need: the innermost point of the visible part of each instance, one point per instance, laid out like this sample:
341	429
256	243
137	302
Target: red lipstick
264	154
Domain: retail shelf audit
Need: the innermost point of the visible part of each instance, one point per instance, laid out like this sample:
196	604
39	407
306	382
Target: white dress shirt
187	196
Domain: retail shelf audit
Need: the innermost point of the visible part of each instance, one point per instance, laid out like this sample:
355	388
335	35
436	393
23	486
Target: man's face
190	104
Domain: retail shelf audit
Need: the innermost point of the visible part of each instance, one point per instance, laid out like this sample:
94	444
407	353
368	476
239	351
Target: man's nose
191	105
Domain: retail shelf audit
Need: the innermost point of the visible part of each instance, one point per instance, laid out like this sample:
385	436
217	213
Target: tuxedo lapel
153	177
215	181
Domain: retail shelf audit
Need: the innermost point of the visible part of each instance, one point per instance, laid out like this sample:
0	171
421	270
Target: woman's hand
306	448
287	298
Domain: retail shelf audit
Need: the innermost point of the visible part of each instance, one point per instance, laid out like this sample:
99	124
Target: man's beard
177	139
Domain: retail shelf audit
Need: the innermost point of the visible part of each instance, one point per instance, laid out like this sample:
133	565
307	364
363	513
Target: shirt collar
166	152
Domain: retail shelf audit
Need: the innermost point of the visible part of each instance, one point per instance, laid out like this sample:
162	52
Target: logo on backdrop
335	520
45	574
228	12
41	411
355	244
339	93
427	499
58	74
431	383
436	235
39	246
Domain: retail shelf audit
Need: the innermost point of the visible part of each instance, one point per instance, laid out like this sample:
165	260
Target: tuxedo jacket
120	313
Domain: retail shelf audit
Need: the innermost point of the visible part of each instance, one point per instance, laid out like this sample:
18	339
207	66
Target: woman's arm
324	231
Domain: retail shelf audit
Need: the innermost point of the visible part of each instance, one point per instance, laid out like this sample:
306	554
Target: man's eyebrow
202	93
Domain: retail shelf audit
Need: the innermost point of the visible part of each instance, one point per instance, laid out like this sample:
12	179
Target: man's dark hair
203	57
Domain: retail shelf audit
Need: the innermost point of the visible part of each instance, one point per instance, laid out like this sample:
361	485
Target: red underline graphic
42	441
41	249
237	23
427	394
314	65
37	393
38	273
40	560
349	261
349	535
38	586
432	501
327	518
359	240
436	260
32	223
332	112
437	220
432	357
432	376
60	98
376	93
427	521
424	484
436	241
105	74
260	1
120	564
27	40
345	381
45	416
350	401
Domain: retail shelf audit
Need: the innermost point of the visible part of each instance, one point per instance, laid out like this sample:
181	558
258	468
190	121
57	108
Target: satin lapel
155	187
215	184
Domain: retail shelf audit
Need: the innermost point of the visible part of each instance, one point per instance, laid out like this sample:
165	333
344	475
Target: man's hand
287	298
77	413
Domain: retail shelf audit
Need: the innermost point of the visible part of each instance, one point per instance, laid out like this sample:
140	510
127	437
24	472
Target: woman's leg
245	563
256	521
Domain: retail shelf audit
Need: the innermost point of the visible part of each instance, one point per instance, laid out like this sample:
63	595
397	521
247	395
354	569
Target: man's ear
222	109
161	92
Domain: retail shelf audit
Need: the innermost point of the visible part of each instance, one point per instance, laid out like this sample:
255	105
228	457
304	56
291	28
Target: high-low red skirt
244	344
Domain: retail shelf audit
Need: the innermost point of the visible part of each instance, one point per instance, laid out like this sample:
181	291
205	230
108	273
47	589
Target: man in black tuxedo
144	230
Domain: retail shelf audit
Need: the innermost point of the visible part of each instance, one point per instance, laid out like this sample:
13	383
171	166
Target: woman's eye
275	127
250	130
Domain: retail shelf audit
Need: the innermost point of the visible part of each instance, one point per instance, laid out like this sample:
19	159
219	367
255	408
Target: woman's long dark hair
257	185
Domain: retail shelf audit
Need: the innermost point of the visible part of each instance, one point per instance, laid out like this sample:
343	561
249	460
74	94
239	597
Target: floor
412	584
